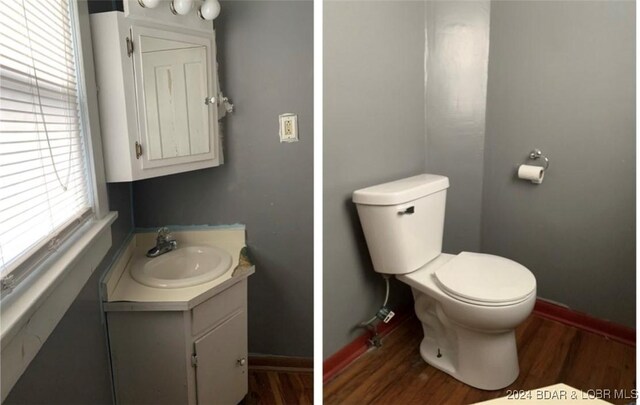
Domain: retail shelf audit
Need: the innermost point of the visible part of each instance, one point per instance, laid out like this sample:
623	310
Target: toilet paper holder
537	154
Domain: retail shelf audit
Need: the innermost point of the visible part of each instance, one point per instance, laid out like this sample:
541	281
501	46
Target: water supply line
384	314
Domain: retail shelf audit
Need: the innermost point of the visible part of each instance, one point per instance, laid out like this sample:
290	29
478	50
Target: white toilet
469	304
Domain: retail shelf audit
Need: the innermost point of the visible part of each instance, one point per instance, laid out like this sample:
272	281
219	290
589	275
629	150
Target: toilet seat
483	279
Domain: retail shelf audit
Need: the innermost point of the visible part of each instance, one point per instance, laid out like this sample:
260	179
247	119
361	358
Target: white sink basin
184	267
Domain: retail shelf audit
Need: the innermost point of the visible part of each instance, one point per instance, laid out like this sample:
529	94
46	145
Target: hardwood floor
549	353
279	388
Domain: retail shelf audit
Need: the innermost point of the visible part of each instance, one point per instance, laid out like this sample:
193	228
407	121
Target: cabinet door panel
221	377
173	79
177	119
197	111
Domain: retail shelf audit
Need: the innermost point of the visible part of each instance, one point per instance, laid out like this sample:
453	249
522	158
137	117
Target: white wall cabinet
198	356
158	97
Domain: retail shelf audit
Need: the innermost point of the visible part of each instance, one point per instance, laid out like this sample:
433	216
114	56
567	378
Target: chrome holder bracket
537	154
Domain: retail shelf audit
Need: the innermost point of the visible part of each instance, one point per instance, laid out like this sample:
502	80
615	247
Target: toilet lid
485	278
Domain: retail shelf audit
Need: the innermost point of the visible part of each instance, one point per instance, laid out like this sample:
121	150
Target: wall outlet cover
288	127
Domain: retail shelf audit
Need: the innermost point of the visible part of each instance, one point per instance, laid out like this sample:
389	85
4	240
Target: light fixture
149	3
181	7
209	10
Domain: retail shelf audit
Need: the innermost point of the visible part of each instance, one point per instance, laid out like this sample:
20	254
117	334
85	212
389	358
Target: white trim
29	314
89	106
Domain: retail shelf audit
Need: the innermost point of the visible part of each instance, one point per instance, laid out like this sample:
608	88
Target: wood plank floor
279	388
549	353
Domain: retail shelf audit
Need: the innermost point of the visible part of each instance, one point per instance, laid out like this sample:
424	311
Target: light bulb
181	7
149	3
210	9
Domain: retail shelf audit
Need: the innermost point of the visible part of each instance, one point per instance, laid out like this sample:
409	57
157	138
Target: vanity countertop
122	293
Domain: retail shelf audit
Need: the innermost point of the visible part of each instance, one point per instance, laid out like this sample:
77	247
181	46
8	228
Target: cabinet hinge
194	360
129	47
138	150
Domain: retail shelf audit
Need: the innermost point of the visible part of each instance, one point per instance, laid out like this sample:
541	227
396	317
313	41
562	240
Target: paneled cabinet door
175	97
221	371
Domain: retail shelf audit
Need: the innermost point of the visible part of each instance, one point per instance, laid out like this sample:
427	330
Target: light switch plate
288	127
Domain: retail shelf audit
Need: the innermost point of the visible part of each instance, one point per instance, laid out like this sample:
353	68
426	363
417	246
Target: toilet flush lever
407	211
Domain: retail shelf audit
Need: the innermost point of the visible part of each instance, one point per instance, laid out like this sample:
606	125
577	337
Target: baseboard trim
281	363
345	356
613	331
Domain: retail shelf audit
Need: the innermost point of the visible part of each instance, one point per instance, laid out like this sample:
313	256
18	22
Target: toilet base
484	361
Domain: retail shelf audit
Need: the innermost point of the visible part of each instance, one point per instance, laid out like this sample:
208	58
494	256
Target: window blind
44	186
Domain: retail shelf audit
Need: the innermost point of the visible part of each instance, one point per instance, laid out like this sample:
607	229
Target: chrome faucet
164	243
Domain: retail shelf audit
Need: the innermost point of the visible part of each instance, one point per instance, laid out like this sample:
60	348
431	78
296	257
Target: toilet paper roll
534	174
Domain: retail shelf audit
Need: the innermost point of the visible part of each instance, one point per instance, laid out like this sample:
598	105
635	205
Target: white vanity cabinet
157	95
195	356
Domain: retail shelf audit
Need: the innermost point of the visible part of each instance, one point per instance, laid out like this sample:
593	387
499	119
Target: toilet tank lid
401	191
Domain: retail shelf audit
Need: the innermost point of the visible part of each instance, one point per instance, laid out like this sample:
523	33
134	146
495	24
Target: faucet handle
163	234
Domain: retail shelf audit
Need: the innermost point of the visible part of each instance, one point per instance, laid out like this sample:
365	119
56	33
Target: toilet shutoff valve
385	314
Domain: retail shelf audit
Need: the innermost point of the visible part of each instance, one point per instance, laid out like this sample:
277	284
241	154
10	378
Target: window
45	192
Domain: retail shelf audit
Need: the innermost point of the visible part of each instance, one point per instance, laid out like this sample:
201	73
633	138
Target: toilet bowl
475	340
469	304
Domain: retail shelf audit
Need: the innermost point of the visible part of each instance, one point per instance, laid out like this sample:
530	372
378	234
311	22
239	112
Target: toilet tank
403	221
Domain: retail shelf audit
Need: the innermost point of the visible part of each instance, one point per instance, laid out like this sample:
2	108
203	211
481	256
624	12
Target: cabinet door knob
241	361
209	100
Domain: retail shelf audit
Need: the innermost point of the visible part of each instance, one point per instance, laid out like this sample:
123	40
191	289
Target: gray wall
373	132
265	50
72	366
562	78
456	94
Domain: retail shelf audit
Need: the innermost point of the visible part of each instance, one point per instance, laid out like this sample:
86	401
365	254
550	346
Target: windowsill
29	314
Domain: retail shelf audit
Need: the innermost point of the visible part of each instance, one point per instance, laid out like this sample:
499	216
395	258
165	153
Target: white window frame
31	311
